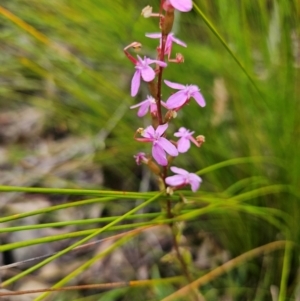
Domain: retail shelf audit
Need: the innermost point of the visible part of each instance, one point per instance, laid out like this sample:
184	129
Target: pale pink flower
183	144
181	5
169	41
160	144
183	178
146	105
145	71
178	99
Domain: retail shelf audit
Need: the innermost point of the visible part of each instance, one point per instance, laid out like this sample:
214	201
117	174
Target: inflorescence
163	149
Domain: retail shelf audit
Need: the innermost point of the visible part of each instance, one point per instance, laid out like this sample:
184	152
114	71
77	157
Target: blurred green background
64	59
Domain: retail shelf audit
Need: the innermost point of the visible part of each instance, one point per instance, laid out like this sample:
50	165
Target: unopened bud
147	11
141	158
167	23
169	115
152	86
169	190
153	167
155	121
200	139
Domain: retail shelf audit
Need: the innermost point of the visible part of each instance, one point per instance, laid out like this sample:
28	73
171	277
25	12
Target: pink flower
183	178
160	144
169	41
145	71
146	105
140	158
178	99
183	144
181	5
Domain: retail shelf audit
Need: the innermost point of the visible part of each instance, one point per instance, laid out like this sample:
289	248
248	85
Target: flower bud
169	191
168	21
154	167
141	158
169	115
152	86
155	121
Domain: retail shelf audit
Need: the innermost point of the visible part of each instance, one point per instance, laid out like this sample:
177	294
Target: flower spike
164	150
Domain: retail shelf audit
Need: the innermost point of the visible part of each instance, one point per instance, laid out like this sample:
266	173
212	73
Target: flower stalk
164	151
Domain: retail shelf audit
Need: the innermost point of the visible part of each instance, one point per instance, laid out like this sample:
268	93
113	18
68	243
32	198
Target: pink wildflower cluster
164	150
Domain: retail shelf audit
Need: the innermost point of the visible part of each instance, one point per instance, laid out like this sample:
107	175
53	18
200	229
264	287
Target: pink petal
140	59
199	98
194	178
178	170
163	104
159	63
195	182
179	42
176	180
149	132
182	130
148	74
174	85
161	129
153	108
139	104
159	155
183	145
176	100
153	35
168	146
195	186
135	83
168	45
182	5
143	110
